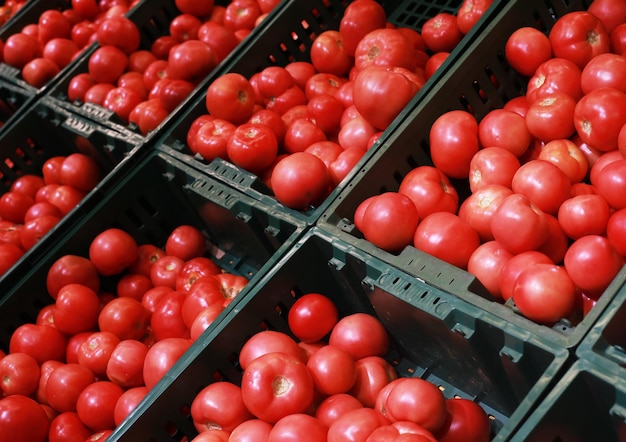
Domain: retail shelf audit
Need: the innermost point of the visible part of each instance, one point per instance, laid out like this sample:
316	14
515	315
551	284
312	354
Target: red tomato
300	180
327	53
467	422
19	374
453	142
345	162
332	369
397	432
60	51
526	49
127	402
373	373
275	385
552	76
359	18
22	419
478	208
252	147
191	60
448	237
377	85
19	49
387	220
604	70
219	38
119	31
241	14
486	263
185	27
95	352
492	165
96	403
584	215
161	357
579	36
125	366
441	32
204	319
112	251
615	229
122	100
231	97
517	214
76	309
312	317
598	117
252	430
65	384
9	255
67	426
361	335
107	63
166	320
125	317
610	12
42	342
551	117
385	47
80	171
268	341
611	182
470	12
356	425
592	263
334	406
53	24
568	157
299	426
219	406
186	242
505	129
71	269
544	184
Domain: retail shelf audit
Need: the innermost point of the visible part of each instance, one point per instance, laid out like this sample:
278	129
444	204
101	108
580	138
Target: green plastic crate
42	131
288	37
481	81
149	201
588	404
464	350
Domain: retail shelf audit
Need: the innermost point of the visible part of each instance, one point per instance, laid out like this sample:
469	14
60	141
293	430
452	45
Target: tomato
332	369
42	342
385	47
241	14
312	317
584	215
52	23
231	97
275	385
119	31
80	171
359	18
219	38
568	157
161	357
96	403
65	384
122	100
191	60
373	373
611	182
95	351
252	147
611	13
22	419
441	32
615	231
185	27
19	374
343	165
356	132
552	76
361	335
127	402
448	237
604	70
148	115
71	269
268	341
579	36
204	319
600	261
97	93
544	184
77	309
299	426
356	425
219	406
551	117
477	210
19	49
327	53
334	406
166	320
327	151
467	422
107	63
67	426
505	129
526	48
598	117
492	165
375	85
302	133
112	251
517	214
486	263
60	51
9	255
470	12
252	430
453	142
300	180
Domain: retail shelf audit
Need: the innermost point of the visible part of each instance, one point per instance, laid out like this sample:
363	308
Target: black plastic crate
587	404
481	81
41	132
466	351
605	344
148	202
288	37
12	99
153	18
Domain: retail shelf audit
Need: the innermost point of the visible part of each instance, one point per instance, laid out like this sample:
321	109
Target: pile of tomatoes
9	9
143	85
329	383
302	127
36	203
118	321
544	224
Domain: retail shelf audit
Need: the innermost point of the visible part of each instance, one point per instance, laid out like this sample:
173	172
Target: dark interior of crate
582	411
607	338
43	132
149	203
445	342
